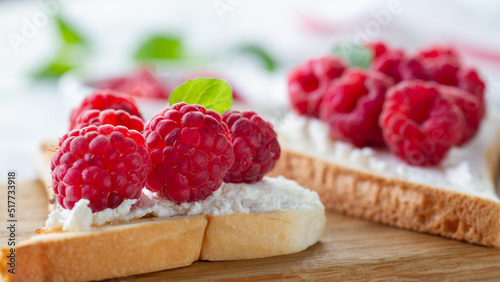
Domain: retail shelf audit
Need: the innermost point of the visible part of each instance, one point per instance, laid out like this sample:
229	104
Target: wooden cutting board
350	249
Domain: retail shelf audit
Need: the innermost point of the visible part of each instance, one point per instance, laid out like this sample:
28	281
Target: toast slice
456	199
231	224
142	246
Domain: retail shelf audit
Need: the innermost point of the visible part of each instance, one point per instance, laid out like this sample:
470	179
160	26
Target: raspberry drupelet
104	165
255	144
190	150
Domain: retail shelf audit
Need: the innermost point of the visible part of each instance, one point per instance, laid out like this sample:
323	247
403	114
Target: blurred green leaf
160	47
67	33
68	57
268	62
70	54
355	55
52	70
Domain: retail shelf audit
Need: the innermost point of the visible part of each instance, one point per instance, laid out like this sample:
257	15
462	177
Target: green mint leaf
160	47
68	57
355	55
268	62
211	93
52	70
67	33
70	54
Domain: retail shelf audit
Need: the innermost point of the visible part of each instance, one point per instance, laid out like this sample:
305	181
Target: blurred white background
291	31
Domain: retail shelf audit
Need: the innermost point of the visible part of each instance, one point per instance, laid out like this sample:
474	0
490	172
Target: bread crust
237	236
395	201
113	251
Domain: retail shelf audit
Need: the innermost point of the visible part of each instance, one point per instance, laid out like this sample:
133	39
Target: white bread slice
456	200
158	243
110	251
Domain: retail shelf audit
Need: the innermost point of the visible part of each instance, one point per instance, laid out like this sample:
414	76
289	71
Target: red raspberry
445	68
142	83
472	108
104	164
191	152
113	117
400	67
352	105
308	82
102	100
437	51
378	48
256	148
470	81
419	123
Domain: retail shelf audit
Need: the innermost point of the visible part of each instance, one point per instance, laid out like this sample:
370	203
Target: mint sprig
355	55
211	93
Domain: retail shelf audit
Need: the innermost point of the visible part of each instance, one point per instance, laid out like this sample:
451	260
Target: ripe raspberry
191	152
399	66
419	123
378	48
102	100
436	52
142	83
472	108
352	106
113	117
443	70
470	81
104	164
256	148
308	82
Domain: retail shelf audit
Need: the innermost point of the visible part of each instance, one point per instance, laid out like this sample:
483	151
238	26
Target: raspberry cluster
417	105
184	153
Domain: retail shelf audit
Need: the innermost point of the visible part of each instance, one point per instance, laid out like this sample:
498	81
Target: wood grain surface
350	249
